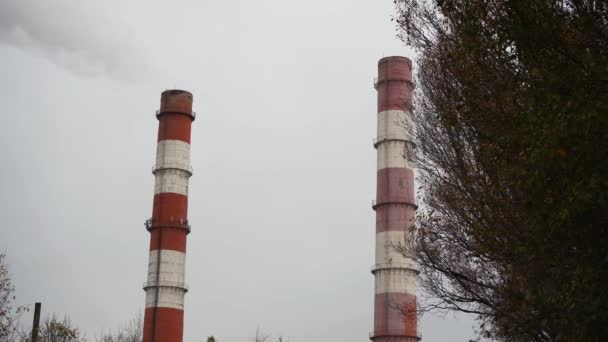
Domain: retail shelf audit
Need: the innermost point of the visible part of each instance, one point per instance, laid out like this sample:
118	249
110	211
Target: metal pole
36	324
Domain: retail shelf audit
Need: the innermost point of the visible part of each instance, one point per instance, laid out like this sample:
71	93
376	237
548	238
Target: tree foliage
261	336
54	330
512	128
133	331
9	312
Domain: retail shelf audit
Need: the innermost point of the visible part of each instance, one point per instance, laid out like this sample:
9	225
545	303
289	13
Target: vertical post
36	324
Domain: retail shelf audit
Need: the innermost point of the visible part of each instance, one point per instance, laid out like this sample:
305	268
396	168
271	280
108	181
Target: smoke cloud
73	34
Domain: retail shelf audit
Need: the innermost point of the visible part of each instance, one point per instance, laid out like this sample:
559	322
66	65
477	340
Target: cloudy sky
280	200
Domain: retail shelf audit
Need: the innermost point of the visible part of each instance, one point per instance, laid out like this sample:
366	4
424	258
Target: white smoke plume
73	34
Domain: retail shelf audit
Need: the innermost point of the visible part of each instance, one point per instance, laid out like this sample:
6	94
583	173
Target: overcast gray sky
280	200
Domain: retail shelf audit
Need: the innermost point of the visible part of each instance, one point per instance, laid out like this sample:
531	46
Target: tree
54	330
261	336
9	313
131	332
511	120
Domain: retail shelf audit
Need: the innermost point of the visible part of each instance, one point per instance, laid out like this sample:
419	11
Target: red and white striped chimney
395	276
168	227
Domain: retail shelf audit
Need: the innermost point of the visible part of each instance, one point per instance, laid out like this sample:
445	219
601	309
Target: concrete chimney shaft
395	275
165	287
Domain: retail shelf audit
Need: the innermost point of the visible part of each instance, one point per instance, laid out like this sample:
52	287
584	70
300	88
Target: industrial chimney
168	226
395	275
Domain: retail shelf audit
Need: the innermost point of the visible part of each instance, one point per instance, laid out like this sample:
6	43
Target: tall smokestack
168	227
395	276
